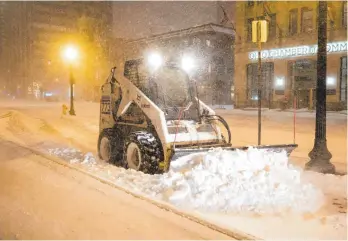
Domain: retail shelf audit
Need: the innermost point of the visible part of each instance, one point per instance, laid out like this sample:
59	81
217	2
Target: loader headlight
155	60
187	63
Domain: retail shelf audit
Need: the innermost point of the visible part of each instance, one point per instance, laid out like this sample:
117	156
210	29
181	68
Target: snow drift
253	181
256	181
16	121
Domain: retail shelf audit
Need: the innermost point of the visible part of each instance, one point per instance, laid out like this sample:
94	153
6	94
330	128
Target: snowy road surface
39	126
277	128
40	199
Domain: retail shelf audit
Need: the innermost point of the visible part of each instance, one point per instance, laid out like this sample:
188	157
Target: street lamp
320	155
70	55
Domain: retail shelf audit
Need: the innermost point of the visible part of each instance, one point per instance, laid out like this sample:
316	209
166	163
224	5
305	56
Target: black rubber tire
150	151
116	145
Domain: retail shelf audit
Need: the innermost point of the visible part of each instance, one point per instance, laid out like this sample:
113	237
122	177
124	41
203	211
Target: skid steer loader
150	114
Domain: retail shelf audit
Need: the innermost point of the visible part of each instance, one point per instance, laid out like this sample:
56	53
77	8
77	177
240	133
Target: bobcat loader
150	114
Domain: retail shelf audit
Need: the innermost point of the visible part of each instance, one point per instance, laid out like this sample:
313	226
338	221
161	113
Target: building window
207	42
293	22
344	15
302	75
218	60
196	41
306	20
267	73
343	79
249	29
219	63
250	3
272	29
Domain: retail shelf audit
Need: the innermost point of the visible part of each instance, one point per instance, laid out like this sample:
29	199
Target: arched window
306	20
293	21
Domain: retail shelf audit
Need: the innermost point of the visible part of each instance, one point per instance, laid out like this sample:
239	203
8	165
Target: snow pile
16	121
253	181
330	184
239	181
72	155
88	159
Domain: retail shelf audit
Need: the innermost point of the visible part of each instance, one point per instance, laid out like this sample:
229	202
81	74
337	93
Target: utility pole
259	35
320	155
259	83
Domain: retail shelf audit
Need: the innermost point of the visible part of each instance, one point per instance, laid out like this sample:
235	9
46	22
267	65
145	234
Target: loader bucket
179	152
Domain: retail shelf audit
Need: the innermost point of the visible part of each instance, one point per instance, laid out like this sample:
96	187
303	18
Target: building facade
2	42
34	31
210	46
289	55
137	19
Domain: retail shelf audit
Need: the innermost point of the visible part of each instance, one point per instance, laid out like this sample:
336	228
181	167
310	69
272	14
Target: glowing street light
187	63
155	60
70	54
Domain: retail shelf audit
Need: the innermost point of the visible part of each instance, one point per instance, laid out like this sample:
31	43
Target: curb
291	111
235	234
338	172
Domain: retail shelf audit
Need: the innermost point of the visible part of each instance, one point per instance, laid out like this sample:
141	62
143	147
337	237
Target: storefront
302	76
290	74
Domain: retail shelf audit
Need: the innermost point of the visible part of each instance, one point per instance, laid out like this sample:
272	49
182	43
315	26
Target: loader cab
111	96
168	86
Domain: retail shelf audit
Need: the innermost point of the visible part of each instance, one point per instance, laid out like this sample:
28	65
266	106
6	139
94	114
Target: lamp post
70	55
72	82
320	156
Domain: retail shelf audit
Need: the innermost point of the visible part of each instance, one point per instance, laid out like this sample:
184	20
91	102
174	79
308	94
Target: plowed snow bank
238	181
256	181
16	121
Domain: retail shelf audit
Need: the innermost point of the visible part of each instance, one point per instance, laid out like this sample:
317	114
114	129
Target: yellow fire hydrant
64	109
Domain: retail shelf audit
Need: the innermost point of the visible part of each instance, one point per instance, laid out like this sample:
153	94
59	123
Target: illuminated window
306	20
293	21
196	41
343	79
207	42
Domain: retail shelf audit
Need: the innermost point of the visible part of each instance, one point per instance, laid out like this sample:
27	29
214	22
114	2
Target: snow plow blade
180	152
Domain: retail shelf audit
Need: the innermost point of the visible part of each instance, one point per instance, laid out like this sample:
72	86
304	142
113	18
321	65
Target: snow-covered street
40	199
263	194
